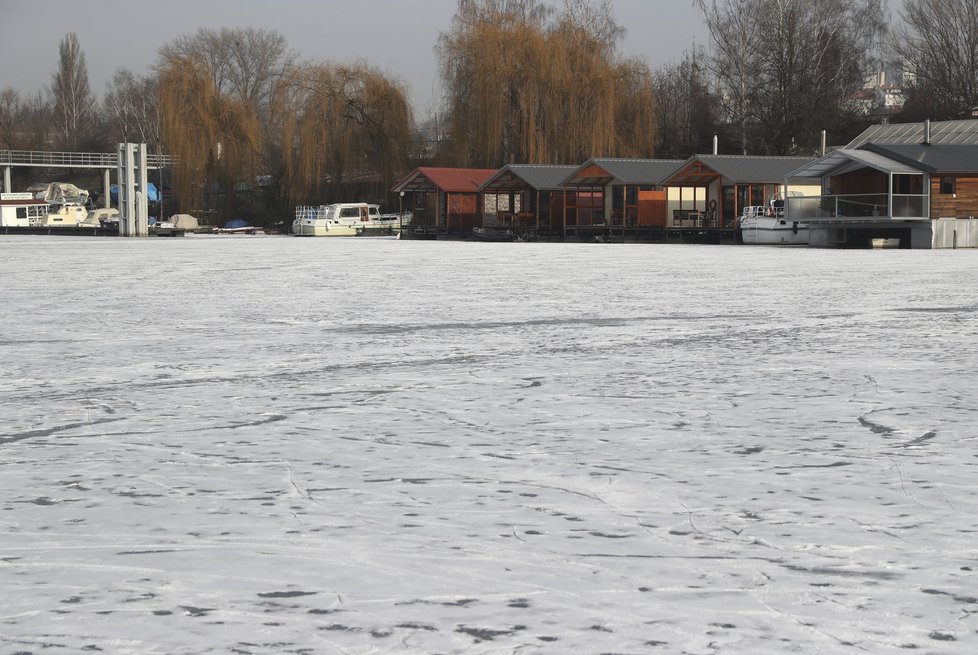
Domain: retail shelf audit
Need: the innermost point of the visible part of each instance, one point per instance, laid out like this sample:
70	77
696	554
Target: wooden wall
462	211
652	208
948	206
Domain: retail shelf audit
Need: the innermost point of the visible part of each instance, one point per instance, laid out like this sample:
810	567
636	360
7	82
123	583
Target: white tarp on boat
59	193
184	221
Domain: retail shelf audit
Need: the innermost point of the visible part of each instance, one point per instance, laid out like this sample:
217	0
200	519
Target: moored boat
346	219
492	234
769	226
69	214
22	210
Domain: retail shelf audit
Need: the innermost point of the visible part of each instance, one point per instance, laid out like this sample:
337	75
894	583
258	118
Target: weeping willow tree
341	123
214	138
528	84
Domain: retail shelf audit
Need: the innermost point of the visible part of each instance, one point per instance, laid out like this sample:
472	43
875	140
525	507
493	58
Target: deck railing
73	159
857	207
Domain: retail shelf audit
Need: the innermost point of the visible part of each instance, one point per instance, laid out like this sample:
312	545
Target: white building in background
890	97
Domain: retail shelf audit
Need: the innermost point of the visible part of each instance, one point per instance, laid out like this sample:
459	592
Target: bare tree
38	123
687	109
132	103
786	67
529	84
12	115
937	46
74	105
246	64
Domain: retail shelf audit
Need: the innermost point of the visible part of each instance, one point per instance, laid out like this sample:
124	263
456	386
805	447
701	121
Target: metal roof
603	171
963	132
839	160
700	170
516	177
450	180
937	158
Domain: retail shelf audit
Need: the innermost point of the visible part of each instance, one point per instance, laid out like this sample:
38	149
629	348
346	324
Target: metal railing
73	159
856	207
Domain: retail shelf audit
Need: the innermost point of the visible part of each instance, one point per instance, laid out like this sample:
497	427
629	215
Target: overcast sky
397	36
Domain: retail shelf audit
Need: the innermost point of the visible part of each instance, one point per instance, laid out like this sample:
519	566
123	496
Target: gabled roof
840	161
700	170
941	132
915	159
516	177
449	180
933	158
603	171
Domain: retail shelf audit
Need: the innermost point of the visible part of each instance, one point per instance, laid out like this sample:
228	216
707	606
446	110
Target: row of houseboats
757	224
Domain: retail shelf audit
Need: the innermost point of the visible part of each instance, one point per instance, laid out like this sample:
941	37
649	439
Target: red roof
449	180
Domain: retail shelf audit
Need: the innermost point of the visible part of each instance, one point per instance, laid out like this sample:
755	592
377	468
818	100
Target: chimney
927	132
823	142
716	144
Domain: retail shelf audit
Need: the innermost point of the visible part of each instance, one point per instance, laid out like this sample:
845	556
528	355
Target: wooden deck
596	234
107	231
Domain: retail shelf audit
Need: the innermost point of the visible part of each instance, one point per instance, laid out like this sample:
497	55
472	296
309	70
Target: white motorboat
69	214
769	226
346	219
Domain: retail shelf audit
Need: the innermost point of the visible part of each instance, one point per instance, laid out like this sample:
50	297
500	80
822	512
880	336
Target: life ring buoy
713	205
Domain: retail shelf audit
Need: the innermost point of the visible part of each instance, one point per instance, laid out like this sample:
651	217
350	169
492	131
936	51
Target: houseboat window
617	198
348	212
757	194
947	185
743	196
729	205
22	212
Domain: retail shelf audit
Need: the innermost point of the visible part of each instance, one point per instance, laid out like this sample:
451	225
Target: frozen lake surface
275	445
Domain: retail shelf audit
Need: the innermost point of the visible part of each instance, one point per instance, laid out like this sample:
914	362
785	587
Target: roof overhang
415	182
506	180
590	175
694	173
844	161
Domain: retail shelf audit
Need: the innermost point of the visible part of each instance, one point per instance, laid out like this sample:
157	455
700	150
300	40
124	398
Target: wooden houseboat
617	199
912	184
525	200
444	201
714	190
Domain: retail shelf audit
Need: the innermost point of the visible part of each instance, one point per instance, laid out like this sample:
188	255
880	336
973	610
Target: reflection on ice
271	445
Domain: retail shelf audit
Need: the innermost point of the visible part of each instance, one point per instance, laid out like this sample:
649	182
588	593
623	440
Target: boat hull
322	229
771	231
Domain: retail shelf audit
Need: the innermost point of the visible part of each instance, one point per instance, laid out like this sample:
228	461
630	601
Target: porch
861	207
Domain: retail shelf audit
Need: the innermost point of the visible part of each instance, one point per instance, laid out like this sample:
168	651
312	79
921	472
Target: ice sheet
280	445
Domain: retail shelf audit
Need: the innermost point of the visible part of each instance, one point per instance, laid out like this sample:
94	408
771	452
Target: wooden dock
592	234
103	231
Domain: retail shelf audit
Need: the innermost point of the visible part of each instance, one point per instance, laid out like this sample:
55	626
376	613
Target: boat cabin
22	210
